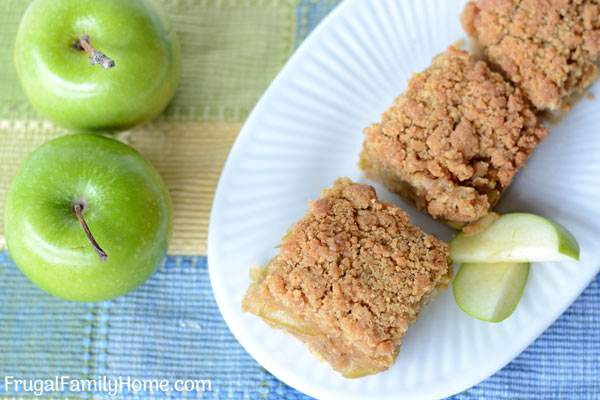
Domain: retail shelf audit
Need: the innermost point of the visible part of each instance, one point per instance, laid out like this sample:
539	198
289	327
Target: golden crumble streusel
350	278
548	47
454	140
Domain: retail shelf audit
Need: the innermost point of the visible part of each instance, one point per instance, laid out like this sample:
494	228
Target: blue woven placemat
171	329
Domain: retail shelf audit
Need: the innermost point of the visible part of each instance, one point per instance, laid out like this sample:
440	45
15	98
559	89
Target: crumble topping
548	47
357	268
457	136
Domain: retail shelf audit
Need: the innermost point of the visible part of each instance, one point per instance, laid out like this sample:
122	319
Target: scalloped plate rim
235	324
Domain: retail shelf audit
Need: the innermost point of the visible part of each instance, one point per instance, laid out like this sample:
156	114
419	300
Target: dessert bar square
548	47
350	278
454	140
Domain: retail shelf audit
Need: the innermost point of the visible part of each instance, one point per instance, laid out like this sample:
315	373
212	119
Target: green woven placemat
231	51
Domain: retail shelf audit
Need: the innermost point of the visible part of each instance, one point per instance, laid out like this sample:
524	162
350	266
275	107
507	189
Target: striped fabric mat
170	328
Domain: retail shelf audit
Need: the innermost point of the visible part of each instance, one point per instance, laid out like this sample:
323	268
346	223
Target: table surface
170	328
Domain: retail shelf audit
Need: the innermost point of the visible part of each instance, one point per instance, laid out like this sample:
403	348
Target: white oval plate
307	130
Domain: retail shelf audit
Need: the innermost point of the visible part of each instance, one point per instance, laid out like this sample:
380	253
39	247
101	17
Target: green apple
516	237
490	292
87	218
93	65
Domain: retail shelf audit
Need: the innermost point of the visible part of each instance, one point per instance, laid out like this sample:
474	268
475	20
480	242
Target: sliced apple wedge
490	291
516	237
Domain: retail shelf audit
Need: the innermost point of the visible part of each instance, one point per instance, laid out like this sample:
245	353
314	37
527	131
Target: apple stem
78	208
96	57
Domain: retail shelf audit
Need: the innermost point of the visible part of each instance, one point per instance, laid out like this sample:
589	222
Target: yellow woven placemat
231	51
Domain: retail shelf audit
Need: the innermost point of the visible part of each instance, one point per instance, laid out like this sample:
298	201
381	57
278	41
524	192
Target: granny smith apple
87	218
490	291
515	237
93	65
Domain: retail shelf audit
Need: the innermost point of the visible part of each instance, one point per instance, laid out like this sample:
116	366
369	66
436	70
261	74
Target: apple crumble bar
548	47
350	278
454	140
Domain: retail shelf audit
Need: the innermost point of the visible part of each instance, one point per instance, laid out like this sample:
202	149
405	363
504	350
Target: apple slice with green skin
516	237
490	291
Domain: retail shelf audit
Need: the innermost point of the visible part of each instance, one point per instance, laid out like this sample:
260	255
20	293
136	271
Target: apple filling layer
350	278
